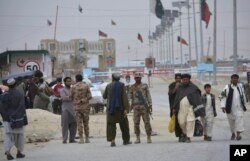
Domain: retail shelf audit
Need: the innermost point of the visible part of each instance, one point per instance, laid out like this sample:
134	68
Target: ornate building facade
77	54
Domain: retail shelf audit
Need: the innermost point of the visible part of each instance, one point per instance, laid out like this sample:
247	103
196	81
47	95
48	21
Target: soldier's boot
137	141
87	139
81	140
149	139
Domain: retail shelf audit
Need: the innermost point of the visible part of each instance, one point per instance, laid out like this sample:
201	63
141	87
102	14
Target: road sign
31	66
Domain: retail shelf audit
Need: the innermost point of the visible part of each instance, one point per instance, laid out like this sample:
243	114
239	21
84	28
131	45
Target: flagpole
56	22
195	35
189	36
172	30
201	35
181	43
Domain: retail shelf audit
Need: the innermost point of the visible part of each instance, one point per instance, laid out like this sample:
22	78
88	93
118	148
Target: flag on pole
156	8
113	22
49	22
102	34
80	8
205	12
139	37
182	41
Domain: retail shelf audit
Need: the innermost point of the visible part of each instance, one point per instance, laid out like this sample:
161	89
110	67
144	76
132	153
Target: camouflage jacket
135	96
80	95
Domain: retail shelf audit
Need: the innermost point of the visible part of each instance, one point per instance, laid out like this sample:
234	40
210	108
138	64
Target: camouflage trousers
82	120
140	111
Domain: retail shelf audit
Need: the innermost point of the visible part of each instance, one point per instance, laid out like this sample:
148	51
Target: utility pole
235	55
214	44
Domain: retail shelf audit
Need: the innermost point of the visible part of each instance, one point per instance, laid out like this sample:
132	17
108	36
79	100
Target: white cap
11	81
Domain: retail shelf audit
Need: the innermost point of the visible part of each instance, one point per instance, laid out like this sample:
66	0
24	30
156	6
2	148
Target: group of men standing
185	98
118	107
187	104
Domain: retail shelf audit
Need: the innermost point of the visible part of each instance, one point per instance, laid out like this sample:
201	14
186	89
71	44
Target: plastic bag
171	125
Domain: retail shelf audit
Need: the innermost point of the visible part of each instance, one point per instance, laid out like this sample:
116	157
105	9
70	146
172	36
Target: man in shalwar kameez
188	98
68	117
117	109
233	101
12	103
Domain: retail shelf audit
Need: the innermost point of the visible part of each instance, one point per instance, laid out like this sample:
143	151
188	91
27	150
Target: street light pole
214	44
235	55
180	4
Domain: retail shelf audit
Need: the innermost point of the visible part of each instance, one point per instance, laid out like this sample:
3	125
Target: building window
52	46
109	46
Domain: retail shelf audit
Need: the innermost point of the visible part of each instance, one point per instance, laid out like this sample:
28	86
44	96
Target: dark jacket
108	94
12	103
204	101
193	94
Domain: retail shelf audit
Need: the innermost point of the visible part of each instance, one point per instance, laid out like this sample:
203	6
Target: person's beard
67	86
185	85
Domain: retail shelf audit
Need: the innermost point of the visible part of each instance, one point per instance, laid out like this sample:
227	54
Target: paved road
164	147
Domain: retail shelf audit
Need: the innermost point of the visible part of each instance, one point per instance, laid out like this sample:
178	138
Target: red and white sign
31	66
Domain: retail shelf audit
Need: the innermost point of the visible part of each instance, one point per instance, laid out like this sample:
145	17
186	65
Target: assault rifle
143	101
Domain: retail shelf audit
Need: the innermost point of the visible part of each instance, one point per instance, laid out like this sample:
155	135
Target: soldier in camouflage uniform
80	94
142	106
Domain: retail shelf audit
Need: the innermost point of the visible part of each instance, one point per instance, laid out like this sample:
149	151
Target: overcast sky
25	21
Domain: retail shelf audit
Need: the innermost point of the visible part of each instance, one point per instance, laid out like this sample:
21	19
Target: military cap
138	75
11	81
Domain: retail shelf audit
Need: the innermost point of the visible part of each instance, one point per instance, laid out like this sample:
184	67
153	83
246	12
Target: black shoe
127	142
188	140
233	136
9	156
72	141
238	137
209	138
20	155
112	144
64	142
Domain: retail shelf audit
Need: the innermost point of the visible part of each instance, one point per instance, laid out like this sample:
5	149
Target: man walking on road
172	89
80	94
208	99
68	119
142	106
188	97
12	105
117	109
233	102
